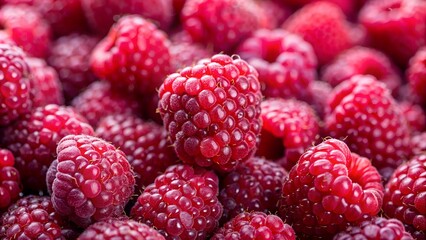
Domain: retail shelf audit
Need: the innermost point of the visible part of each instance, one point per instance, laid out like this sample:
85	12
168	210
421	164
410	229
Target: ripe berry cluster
213	119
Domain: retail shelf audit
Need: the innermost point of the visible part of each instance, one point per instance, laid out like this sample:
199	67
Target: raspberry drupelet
10	182
93	180
182	203
328	189
255	225
212	112
134	56
15	93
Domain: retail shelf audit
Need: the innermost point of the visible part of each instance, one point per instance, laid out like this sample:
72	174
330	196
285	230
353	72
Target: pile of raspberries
213	119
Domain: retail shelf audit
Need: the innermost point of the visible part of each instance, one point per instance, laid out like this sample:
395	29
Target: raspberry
362	61
212	112
145	144
70	56
15	88
254	185
405	193
10	183
349	7
414	115
286	64
64	16
416	75
134	56
120	229
45	85
222	24
255	225
289	128
397	27
328	189
33	217
100	100
93	180
418	142
181	204
319	92
274	12
27	28
101	14
376	228
187	54
323	25
362	111
33	141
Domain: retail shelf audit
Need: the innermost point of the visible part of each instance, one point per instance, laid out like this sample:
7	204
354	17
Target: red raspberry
64	16
397	27
134	56
323	25
416	75
120	229
328	189
33	141
27	28
254	185
33	217
405	193
187	54
255	225
362	61
181	203
362	111
15	85
70	56
146	145
414	115
93	180
289	128
376	228
286	64
10	182
319	93
101	14
212	112
222	24
45	85
418	142
100	100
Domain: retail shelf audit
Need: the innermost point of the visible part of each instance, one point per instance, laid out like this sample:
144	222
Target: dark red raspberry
222	24
187	54
134	56
100	100
27	28
363	113
45	85
254	185
15	99
255	225
64	16
33	217
181	203
375	229
70	56
418	142
93	180
319	93
289	128
362	61
286	64
416	75
324	25
10	182
146	145
212	111
328	189
101	14
397	27
414	115
405	193
120	229
33	141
